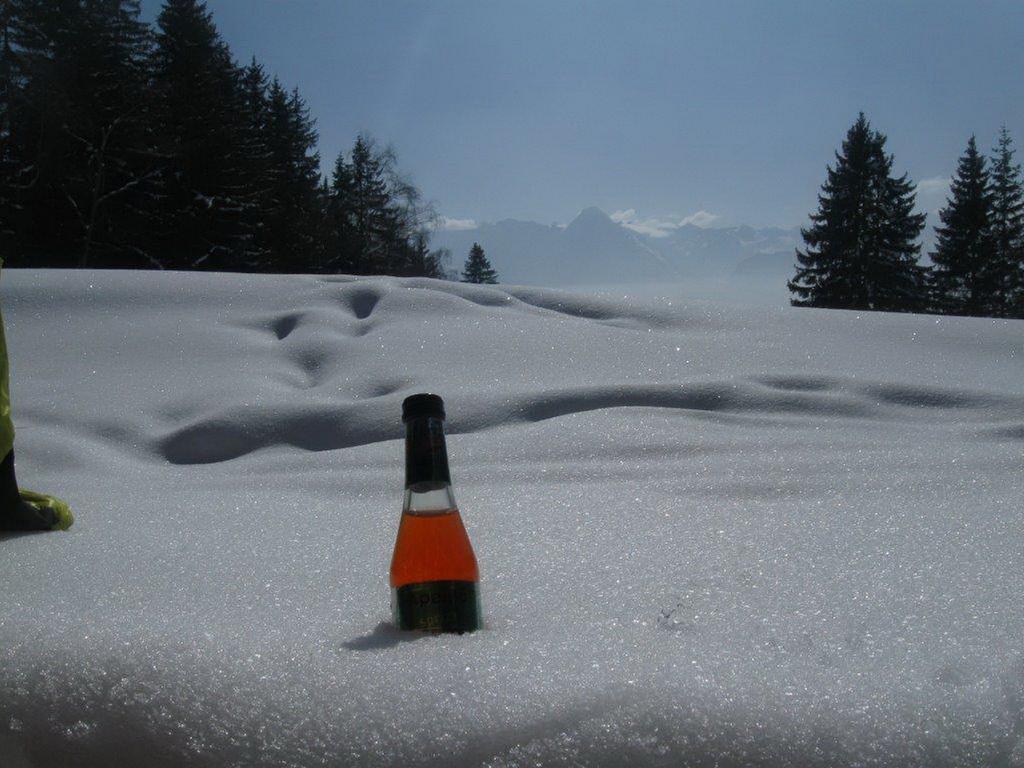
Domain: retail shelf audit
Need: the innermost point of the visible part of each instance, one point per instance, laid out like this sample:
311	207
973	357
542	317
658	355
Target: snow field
707	535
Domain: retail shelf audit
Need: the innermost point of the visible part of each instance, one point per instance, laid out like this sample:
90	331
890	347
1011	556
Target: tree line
862	249
126	145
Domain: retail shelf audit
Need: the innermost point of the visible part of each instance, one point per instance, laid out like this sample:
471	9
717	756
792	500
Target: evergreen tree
257	168
861	246
372	216
967	279
73	130
477	268
206	200
11	152
1008	224
425	262
255	85
293	204
124	148
898	282
376	219
341	248
109	164
37	217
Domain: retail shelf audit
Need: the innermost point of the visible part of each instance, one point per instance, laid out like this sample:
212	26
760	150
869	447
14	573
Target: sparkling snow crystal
708	535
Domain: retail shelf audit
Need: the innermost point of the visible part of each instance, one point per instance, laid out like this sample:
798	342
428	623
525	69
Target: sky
657	112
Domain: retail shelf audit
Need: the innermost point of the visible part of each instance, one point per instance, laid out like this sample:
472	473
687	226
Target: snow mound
708	535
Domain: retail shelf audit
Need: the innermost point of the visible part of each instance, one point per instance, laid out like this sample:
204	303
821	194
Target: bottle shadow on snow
384	635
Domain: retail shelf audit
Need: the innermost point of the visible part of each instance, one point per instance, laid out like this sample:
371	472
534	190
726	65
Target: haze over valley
595	249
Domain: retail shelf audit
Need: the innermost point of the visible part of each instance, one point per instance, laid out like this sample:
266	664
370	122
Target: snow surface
708	535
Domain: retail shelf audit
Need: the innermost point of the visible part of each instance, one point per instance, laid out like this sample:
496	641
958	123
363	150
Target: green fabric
60	509
6	425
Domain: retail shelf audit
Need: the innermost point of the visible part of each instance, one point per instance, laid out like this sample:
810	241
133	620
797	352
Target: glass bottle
434	573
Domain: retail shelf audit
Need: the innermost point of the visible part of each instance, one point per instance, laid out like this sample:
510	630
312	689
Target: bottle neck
427	477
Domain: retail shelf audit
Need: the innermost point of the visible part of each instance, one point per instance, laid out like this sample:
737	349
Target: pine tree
293	205
109	164
425	262
477	268
376	219
255	85
257	169
861	246
896	281
1008	224
73	130
967	279
11	153
121	146
372	217
38	218
340	246
206	197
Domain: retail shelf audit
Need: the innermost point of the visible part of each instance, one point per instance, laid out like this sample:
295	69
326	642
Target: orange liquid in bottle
432	546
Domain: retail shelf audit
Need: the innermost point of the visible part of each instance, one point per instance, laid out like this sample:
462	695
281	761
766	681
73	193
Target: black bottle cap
416	406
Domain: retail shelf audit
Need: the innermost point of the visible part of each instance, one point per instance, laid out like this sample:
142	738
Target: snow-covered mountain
595	249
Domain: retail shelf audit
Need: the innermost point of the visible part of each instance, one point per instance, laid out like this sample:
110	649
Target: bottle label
437	606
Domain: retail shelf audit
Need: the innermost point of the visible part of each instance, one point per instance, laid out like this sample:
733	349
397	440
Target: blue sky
534	110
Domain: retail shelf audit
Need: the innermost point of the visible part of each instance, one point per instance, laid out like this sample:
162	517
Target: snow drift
707	535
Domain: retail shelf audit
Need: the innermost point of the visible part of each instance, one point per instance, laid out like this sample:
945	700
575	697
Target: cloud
701	219
457	224
651	226
937	185
661	226
931	196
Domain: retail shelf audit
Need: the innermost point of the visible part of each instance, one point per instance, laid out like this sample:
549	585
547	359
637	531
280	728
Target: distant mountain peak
591	214
593	222
595	248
